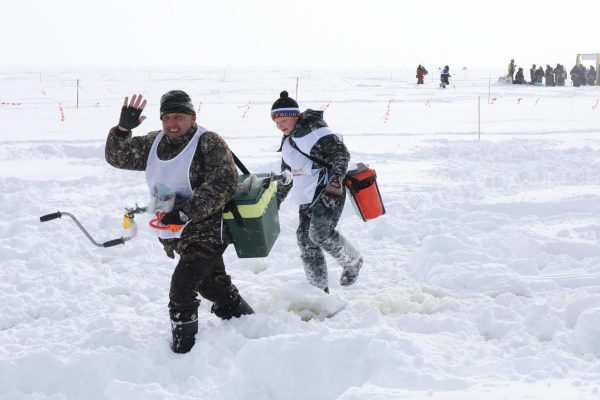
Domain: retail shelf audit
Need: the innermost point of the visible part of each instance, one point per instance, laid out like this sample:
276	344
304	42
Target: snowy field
482	281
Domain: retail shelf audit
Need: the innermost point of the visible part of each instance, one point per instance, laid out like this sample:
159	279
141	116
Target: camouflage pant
199	273
316	232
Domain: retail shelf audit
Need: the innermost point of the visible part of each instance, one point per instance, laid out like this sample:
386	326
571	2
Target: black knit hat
176	101
285	106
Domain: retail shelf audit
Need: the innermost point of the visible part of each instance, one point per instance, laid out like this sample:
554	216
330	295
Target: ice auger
129	225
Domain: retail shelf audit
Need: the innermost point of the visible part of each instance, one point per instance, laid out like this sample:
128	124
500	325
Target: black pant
199	273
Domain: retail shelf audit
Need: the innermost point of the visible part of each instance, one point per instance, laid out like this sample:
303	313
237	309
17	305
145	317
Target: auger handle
49	217
113	242
58	214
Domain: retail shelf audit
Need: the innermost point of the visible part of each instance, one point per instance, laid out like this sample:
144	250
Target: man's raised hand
131	113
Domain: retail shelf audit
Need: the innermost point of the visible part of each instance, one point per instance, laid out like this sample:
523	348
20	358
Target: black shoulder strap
231	206
237	217
314	159
239	164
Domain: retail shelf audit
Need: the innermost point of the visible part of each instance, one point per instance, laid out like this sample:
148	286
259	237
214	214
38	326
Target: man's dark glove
130	117
334	188
333	194
174	217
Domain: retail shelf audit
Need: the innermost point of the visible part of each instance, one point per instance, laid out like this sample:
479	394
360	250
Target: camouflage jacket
329	149
213	177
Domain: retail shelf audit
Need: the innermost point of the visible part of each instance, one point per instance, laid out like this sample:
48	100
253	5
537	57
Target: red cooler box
362	185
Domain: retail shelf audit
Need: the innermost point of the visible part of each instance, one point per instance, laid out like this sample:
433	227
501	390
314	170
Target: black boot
184	335
235	309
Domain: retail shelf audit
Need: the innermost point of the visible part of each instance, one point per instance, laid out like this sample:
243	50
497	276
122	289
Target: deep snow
481	281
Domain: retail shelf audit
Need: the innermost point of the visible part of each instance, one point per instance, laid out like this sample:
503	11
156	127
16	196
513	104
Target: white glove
287	177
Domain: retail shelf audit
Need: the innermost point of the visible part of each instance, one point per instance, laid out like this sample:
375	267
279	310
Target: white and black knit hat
285	106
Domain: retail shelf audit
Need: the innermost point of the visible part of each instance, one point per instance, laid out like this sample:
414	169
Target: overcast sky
311	33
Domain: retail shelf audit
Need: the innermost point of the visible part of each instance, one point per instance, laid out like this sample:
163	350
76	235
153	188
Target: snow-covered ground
482	281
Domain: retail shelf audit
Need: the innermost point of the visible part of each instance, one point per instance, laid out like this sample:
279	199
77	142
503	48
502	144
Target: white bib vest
306	179
167	179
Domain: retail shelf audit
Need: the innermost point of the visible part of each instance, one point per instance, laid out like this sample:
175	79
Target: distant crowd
580	75
538	76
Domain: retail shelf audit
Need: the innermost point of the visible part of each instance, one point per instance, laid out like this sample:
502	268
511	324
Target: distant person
191	176
578	75
532	74
444	77
318	160
581	73
575	76
549	75
591	76
560	75
511	69
519	77
539	76
421	72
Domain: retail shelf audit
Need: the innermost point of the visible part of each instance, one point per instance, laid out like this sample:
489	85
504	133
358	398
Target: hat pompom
284	94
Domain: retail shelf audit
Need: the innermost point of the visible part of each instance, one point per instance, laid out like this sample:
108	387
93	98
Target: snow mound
587	331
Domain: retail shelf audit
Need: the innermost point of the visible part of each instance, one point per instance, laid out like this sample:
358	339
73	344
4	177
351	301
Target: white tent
590	56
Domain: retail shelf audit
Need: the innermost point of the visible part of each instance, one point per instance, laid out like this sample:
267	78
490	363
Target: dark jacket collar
309	121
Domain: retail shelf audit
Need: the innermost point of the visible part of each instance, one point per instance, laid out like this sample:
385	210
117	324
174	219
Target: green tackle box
252	218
